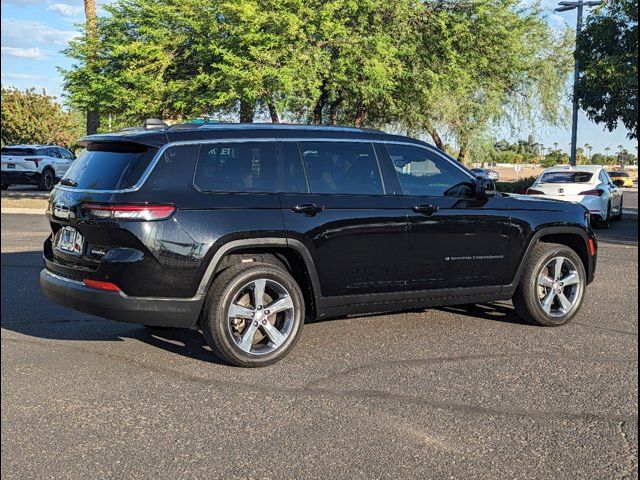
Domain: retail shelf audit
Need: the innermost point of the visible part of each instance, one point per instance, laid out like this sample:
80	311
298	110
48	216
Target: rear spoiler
137	137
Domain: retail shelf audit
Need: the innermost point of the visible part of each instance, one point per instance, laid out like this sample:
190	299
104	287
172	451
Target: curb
23	211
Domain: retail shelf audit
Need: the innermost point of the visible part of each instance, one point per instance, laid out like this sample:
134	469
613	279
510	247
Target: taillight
128	212
533	191
594	193
35	160
99	285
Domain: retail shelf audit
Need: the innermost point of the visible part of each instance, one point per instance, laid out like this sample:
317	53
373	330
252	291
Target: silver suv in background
41	165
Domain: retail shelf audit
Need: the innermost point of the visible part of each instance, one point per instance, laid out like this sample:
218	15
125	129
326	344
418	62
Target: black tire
5	186
618	217
47	180
526	298
215	324
604	223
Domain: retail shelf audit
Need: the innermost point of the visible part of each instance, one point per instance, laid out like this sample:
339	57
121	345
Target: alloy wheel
260	316
559	287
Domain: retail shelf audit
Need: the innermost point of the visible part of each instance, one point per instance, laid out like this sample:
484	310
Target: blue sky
35	31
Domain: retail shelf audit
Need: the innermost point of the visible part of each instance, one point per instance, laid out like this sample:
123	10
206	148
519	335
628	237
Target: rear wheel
605	222
254	314
552	286
618	217
47	179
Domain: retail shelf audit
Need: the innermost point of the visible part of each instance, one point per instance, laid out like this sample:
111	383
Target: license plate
70	241
11	165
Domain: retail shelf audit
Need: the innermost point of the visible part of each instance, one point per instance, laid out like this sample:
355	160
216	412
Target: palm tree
93	118
589	149
607	150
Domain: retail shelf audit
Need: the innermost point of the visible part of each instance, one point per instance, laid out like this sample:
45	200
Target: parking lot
455	392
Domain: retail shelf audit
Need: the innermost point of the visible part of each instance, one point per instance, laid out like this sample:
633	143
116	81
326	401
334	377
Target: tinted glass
422	172
66	153
292	176
237	167
52	152
566	177
110	166
342	168
18	152
618	174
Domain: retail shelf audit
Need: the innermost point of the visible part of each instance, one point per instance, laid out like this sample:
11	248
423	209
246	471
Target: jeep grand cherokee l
245	231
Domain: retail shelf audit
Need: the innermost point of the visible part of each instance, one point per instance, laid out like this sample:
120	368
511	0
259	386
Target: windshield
618	174
109	166
18	152
566	177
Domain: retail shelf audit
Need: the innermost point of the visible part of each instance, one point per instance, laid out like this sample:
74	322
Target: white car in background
589	185
41	165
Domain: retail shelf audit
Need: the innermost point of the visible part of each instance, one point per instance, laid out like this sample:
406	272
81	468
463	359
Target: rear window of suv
18	152
566	177
109	166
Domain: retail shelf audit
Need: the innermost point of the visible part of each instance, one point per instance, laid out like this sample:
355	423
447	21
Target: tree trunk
247	111
462	154
361	113
437	139
273	113
317	111
333	112
93	117
93	122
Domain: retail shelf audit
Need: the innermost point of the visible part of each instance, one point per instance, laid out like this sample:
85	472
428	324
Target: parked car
589	185
483	172
245	230
621	178
41	165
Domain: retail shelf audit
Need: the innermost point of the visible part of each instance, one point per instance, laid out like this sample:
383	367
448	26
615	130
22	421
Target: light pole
565	7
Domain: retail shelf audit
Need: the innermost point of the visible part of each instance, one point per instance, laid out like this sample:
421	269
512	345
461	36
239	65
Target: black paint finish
362	252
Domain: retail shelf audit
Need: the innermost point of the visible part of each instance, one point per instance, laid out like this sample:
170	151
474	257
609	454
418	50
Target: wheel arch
574	238
288	253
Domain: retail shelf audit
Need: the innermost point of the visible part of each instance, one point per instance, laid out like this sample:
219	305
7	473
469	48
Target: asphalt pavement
455	392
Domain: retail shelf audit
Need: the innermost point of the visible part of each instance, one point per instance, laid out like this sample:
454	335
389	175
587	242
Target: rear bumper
164	312
19	178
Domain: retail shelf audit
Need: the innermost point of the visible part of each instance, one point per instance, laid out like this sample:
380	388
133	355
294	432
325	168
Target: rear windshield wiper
68	182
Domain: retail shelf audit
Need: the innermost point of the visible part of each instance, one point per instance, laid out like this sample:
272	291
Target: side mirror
485	187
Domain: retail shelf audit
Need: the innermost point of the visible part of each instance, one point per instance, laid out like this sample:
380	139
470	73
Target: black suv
246	230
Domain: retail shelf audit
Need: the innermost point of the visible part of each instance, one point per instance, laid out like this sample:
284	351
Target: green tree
607	54
486	62
31	117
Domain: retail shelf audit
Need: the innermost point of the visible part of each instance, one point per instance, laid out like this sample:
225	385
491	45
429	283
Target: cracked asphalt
456	392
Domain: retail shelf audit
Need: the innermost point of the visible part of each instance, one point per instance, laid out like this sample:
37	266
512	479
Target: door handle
308	208
425	209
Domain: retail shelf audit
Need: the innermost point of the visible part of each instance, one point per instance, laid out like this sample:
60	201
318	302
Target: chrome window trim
145	175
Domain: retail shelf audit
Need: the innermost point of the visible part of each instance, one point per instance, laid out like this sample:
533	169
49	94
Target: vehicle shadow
620	233
27	311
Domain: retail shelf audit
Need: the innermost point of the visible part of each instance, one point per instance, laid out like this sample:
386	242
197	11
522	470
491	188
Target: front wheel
254	314
552	286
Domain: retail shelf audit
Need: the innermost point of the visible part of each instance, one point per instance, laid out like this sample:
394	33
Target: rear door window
342	168
237	167
109	166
